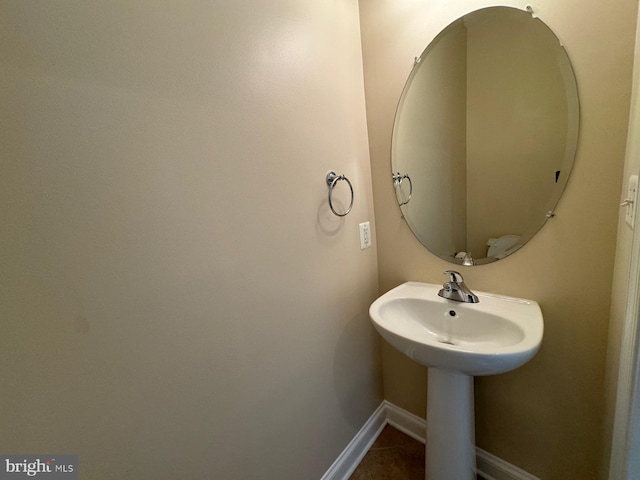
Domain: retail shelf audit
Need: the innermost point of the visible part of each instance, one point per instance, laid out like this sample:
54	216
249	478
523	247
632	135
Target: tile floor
393	456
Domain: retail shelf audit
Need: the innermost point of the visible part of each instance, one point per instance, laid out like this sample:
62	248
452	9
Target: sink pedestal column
450	450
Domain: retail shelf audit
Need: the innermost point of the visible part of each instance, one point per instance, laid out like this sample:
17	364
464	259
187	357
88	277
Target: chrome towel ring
397	183
332	180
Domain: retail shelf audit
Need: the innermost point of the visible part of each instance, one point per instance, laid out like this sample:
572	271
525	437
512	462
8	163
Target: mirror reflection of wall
483	128
516	122
431	137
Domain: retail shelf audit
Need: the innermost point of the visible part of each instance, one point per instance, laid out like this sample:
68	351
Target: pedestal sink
456	341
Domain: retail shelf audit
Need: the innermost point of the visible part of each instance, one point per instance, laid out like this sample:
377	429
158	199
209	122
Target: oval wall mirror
485	135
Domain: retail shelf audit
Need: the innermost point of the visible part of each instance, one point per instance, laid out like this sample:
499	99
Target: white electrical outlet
631	200
365	235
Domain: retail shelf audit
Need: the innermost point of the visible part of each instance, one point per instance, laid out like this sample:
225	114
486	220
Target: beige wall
176	299
547	416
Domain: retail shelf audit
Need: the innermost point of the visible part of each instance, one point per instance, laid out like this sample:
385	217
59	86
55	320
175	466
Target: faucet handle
454	277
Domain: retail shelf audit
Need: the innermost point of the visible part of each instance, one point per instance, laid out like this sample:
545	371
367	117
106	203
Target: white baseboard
352	455
489	466
406	422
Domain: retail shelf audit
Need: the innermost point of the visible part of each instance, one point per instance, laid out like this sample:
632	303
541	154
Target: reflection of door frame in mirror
565	78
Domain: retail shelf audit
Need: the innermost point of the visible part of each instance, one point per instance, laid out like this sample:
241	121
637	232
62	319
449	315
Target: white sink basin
493	336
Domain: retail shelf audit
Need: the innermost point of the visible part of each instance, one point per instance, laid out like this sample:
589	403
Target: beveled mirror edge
573	109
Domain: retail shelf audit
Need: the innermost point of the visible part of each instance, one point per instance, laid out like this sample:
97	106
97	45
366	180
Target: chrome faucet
455	289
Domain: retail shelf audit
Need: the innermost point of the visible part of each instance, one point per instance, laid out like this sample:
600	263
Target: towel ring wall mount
332	181
397	184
